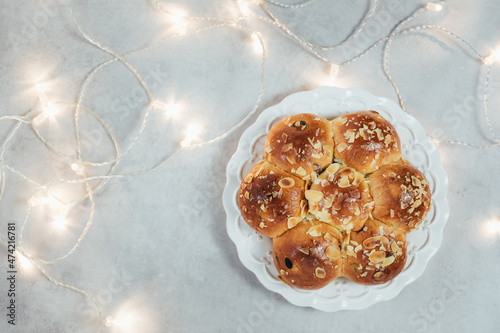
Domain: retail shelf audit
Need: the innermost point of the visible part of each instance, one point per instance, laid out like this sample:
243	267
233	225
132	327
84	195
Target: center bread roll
340	196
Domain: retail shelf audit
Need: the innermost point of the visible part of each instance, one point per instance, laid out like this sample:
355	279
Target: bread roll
402	195
271	200
374	255
300	144
309	255
340	196
365	141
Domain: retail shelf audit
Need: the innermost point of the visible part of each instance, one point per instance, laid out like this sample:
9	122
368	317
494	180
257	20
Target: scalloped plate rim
342	303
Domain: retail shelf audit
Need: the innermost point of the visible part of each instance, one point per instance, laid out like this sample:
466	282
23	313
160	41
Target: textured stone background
158	248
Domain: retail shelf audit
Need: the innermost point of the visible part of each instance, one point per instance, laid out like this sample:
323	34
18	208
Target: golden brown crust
300	144
374	255
340	196
402	195
365	141
309	255
271	201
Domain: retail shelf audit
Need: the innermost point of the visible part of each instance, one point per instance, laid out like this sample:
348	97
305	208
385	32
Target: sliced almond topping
268	149
392	213
262	225
344	182
291	159
415	181
314	155
324	182
358	248
395	248
341	147
314	196
371	242
292	222
301	171
333	168
320	272
304	250
286	147
333	252
286	182
384	240
416	204
329	238
315	231
324	216
387	261
363	274
377	257
388	139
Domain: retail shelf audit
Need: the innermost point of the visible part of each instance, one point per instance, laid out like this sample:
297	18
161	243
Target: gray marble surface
158	253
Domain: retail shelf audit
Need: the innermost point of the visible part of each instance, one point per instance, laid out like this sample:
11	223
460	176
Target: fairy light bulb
434	6
78	169
257	43
192	134
493	227
245	5
489	60
171	109
334	71
25	263
48	109
179	21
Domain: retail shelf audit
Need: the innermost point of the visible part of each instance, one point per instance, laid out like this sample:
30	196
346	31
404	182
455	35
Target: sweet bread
374	255
340	196
309	255
300	144
336	197
402	195
271	200
365	141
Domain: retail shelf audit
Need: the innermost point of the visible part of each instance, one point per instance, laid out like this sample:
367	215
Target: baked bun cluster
336	197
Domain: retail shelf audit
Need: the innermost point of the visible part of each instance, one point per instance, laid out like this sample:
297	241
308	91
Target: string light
180	23
434	6
493	227
193	131
25	263
48	109
334	71
257	43
78	168
489	60
245	5
171	109
191	135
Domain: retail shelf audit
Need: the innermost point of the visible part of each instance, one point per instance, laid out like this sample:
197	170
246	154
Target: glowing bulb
434	6
48	109
60	222
334	71
493	227
78	169
180	23
25	263
171	109
192	133
257	43
244	5
492	57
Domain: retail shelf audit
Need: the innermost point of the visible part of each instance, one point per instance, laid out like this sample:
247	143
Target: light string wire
85	180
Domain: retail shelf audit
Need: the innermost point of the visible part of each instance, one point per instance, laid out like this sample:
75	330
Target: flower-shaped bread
336	197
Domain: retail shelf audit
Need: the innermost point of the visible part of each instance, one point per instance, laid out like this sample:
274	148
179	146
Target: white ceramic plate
255	251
